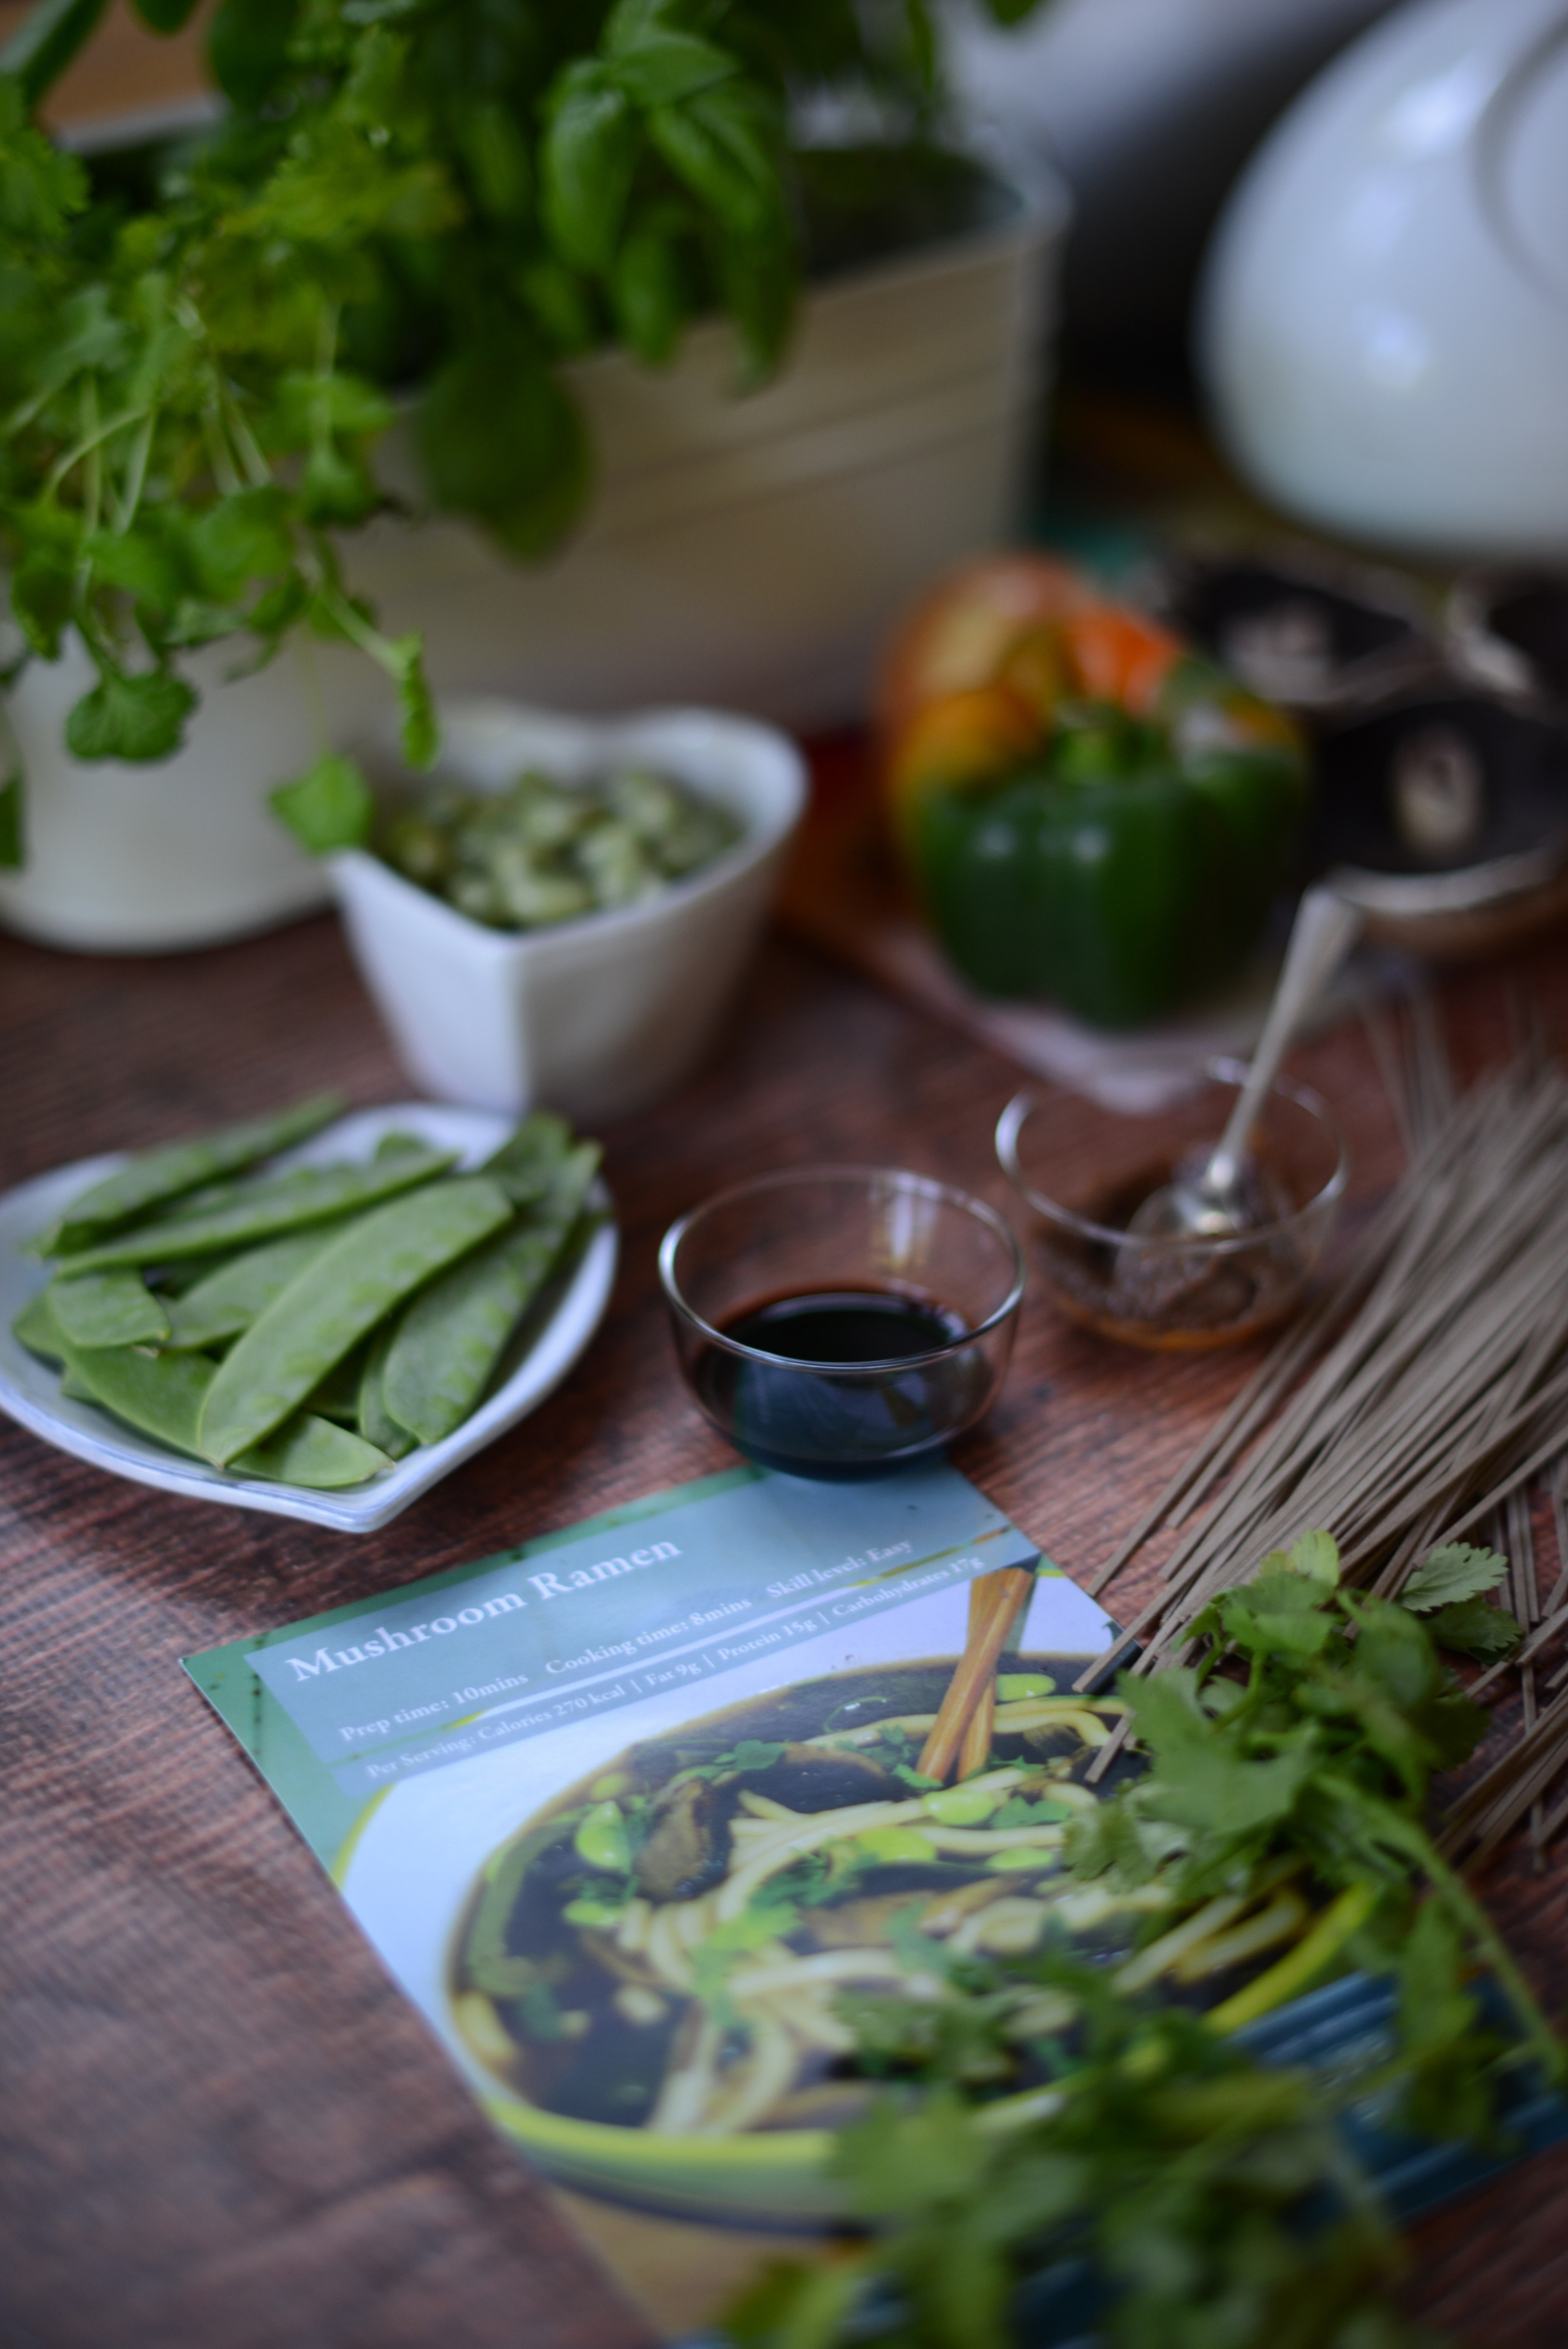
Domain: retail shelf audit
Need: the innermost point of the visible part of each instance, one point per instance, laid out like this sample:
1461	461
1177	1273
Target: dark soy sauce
857	1412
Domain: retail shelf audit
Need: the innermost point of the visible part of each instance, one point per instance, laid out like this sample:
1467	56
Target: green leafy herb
1453	1573
200	348
1211	2202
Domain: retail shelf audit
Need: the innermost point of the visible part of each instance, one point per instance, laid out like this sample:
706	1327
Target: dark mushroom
687	1850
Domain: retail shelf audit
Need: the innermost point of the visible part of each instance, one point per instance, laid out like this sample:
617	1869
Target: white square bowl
598	1016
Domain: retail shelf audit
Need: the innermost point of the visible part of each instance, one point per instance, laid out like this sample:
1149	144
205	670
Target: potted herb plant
285	405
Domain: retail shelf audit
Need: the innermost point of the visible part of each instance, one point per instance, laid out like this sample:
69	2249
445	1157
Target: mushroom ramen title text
549	1584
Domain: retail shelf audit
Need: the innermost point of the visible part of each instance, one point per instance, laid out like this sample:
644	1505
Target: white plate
29	1390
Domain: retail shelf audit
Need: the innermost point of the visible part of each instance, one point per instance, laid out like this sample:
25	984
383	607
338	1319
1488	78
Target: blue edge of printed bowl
1339	2031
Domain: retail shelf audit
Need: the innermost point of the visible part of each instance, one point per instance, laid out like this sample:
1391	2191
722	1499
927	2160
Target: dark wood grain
219	2123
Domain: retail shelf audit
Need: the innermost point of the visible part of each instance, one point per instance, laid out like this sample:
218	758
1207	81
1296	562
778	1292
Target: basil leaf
760	281
590	154
46	40
247	46
139	717
660	68
499	438
496	154
648	285
166	16
329	806
723	146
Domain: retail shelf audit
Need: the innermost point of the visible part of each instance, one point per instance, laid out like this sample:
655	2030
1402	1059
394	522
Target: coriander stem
136	473
218	449
245	441
93	474
359	631
85	446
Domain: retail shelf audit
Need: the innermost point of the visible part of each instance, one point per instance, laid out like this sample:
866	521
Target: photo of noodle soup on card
653	1967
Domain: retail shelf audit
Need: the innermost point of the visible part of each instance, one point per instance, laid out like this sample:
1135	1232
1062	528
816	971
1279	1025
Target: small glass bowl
870	1239
1174	1294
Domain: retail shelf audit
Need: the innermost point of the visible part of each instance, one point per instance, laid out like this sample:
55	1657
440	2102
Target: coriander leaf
1468	1627
12	833
1456	1571
138	561
1316	1557
141	718
329	806
41	598
241	538
336	491
311	404
590	154
791	2306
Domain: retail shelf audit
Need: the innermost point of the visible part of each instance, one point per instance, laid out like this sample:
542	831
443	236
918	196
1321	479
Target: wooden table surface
219	2122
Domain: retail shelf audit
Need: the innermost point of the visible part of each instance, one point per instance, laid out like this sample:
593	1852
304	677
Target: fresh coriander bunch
1167	2187
428	202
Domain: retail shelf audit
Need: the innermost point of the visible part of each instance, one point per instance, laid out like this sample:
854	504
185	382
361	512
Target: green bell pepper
1124	866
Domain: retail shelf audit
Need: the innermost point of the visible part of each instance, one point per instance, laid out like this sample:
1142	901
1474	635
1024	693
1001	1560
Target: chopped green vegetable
544	852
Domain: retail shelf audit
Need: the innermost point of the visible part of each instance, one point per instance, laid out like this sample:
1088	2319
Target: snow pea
527	1159
327	1308
450	1337
161	1396
154	1176
292	1183
315	1195
229	1299
108	1309
34	1328
376	1422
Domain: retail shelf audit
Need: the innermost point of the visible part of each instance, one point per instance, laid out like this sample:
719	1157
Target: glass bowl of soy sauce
842	1322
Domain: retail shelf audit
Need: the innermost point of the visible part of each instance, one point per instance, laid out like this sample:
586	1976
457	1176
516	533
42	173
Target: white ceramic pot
595	1016
746	552
1384	330
184	852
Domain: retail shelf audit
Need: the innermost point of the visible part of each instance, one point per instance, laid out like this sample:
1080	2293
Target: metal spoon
1209	1203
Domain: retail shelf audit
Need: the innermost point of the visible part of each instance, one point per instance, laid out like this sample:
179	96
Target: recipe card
626	1810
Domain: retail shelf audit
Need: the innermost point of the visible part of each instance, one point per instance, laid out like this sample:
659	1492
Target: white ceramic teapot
1383	327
